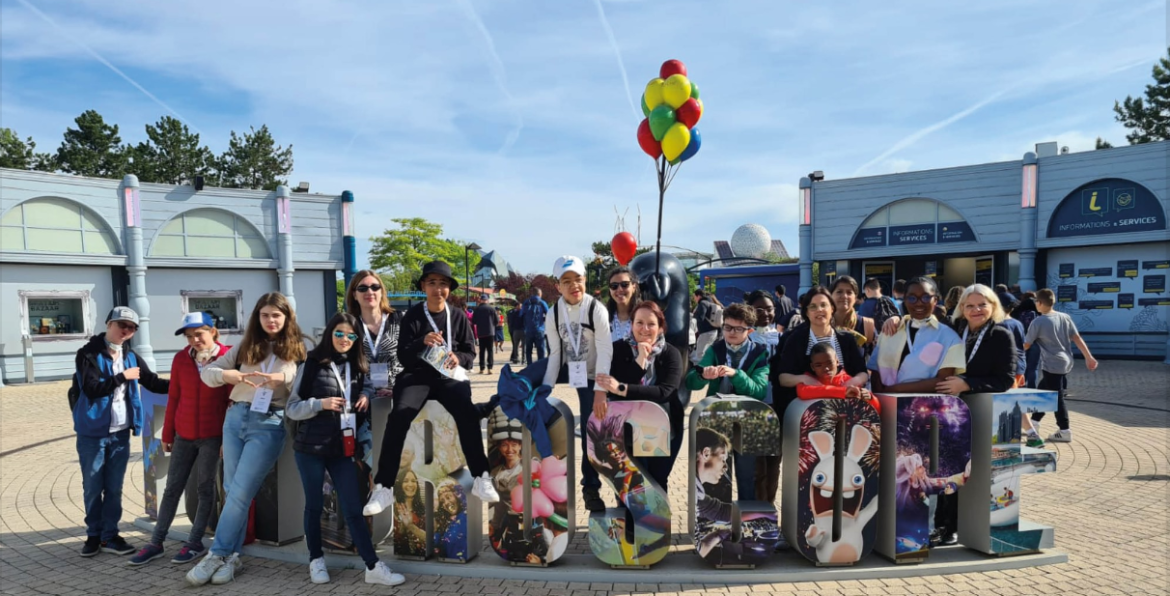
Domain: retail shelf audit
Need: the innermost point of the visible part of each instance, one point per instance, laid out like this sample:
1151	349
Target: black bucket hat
438	268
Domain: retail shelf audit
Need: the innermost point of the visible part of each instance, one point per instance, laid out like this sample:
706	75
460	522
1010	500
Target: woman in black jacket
433	325
647	368
991	368
324	401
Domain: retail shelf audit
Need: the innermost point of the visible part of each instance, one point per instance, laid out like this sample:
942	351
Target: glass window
56	225
55	315
210	233
913	211
223	306
52	213
880	219
947	214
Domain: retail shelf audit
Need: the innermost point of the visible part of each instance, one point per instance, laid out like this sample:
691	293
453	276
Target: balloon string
662	184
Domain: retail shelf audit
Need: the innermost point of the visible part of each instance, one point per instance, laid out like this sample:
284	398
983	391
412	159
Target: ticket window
55	315
225	307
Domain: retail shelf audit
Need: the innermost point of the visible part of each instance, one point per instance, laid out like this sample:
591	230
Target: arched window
210	233
912	221
55	225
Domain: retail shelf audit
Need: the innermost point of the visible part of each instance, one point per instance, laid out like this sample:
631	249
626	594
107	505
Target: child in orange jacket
826	370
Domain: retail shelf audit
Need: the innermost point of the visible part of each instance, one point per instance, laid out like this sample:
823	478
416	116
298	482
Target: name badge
349	421
578	375
262	400
380	375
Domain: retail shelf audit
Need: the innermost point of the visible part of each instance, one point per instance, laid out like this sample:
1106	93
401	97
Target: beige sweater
212	375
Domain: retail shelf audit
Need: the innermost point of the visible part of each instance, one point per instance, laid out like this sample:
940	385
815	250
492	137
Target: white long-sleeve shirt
596	348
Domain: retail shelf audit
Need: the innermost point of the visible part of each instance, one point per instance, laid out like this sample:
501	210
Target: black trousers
1059	383
410	396
946	513
517	345
487	347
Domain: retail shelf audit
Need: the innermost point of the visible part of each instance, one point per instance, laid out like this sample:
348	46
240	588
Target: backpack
714	315
563	374
884	309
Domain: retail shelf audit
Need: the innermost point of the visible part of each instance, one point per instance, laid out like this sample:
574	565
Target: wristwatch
621	387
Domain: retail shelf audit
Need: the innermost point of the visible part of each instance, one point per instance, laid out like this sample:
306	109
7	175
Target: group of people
239	403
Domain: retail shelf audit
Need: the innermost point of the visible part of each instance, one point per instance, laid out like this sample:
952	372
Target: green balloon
645	110
661	119
694	91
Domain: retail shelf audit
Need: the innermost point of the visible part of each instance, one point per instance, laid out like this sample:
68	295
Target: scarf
851	328
649	376
891	347
205	356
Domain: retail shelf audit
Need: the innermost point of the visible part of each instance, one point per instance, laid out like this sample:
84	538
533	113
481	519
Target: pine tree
171	155
255	161
1148	118
93	148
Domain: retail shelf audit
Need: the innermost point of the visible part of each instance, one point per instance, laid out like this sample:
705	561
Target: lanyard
266	368
978	340
431	320
378	341
576	340
344	387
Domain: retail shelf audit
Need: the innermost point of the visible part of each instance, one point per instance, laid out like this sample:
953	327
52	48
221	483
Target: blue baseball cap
195	320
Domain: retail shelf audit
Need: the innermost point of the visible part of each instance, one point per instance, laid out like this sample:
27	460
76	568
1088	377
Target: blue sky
512	123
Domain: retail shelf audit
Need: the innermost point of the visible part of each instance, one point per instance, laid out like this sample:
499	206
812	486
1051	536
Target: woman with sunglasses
324	440
366	298
922	351
623	298
735	365
261	369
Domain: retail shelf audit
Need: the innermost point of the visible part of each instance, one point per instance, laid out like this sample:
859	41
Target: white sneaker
1061	436
482	488
201	573
380	499
381	574
317	571
231	566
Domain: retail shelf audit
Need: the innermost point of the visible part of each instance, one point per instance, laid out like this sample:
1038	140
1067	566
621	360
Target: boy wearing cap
192	434
106	408
579	343
426	325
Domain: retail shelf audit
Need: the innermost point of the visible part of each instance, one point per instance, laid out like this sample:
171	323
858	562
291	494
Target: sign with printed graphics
1154	284
955	231
1127	268
1146	265
1125	301
1096	272
912	234
1096	305
1067	270
1066	293
1107	206
1107	287
869	238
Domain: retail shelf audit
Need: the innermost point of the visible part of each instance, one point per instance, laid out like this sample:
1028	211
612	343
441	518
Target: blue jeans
589	476
343	472
745	476
252	443
534	339
103	468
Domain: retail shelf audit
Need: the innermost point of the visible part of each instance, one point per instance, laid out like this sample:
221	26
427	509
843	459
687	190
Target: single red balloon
672	67
646	140
689	113
624	245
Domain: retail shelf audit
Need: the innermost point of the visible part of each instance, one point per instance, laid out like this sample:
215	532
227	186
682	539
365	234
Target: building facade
1091	226
72	248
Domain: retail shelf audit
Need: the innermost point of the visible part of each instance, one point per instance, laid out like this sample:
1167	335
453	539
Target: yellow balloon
675	141
676	90
700	102
654	93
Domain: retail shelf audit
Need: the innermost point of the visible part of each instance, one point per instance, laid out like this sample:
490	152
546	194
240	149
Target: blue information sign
869	238
1154	301
1108	206
1125	301
1096	305
1066	293
1154	284
1105	287
931	268
955	231
1067	270
1155	265
1127	268
1096	272
915	234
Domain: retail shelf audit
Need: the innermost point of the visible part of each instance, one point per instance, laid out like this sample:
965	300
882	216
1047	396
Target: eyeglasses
736	330
625	285
912	299
364	288
342	334
127	326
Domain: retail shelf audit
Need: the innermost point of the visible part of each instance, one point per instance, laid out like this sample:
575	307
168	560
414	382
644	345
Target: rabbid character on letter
853	517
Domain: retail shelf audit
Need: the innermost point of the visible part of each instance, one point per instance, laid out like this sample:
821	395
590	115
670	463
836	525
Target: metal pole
467	278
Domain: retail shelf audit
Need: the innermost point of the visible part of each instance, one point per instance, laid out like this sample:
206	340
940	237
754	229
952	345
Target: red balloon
671	67
624	245
646	140
689	113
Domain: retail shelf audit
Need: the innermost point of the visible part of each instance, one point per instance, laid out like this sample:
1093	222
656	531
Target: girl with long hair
845	292
365	298
623	298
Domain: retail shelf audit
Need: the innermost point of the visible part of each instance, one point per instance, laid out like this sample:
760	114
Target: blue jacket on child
95	381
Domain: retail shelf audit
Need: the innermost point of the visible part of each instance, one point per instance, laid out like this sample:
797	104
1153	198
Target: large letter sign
831	479
535	518
637	535
989	508
729	533
931	456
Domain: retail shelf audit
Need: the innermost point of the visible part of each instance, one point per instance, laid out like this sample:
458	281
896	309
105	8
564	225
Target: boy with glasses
733	365
106	407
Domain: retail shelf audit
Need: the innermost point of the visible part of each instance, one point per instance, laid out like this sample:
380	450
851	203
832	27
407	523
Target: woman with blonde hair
365	298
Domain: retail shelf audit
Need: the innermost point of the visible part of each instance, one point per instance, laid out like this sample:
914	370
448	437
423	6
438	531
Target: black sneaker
950	539
593	500
118	546
92	546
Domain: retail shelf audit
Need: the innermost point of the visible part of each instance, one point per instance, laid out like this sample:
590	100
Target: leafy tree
254	160
1148	119
1103	144
400	253
15	153
603	262
514	284
171	155
93	148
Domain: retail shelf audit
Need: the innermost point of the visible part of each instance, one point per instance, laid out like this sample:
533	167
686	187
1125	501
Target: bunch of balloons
672	107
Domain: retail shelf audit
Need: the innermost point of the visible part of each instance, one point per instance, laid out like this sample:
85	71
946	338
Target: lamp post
467	270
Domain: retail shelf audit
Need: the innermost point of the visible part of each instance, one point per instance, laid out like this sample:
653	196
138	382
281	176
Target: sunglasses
342	334
364	288
625	285
127	326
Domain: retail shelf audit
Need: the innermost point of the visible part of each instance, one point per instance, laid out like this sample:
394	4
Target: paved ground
1109	503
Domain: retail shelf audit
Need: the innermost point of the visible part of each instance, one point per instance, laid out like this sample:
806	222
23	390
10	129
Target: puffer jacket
194	410
317	431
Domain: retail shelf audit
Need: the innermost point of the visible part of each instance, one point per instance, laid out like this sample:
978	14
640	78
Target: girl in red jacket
192	434
831	379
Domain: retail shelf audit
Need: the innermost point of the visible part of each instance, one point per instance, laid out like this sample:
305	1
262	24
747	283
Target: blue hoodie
95	381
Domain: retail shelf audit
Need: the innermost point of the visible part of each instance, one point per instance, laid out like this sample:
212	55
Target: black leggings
409	397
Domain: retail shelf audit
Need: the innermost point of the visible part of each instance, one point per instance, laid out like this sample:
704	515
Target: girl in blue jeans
261	369
326	440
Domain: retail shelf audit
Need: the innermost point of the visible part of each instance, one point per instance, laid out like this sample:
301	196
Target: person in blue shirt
534	313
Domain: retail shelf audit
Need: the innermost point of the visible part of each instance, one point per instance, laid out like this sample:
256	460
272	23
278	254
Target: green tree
254	160
400	253
93	148
603	262
171	155
15	153
1148	119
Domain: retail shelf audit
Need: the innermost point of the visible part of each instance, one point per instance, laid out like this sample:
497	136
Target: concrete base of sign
676	568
